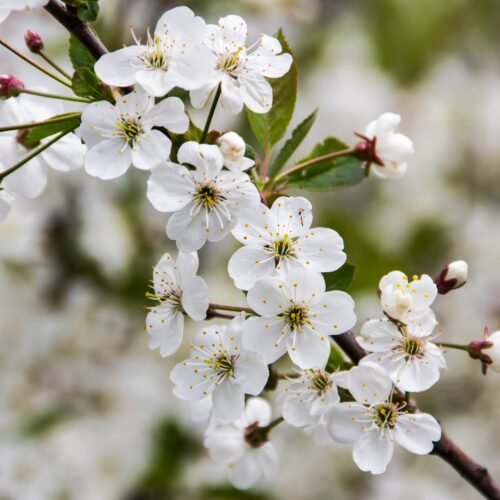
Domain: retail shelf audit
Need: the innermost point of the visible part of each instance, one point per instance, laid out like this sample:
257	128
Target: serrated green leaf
336	360
86	84
88	11
40	132
328	174
290	146
340	279
270	127
80	57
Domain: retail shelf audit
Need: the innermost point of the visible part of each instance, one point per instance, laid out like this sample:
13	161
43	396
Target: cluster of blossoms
204	186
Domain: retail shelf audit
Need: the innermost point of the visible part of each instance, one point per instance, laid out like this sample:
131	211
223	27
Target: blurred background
87	411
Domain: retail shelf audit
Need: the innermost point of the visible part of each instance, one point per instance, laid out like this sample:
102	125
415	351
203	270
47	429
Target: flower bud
487	351
232	147
453	276
9	86
34	42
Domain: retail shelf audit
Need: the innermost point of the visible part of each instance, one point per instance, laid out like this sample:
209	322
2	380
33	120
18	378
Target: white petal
293	215
228	400
257	411
334	313
373	451
66	154
190	384
28	181
232	97
119	67
166	331
268	297
207	159
345	421
225	444
189	232
257	93
264	336
297	412
249	264
379	335
310	350
417	432
151	149
108	159
251	372
170	114
155	82
169	187
256	226
195	298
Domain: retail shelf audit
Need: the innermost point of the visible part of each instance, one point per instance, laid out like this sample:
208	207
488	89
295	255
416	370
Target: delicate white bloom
221	367
66	154
298	316
5	204
373	422
247	462
493	350
307	398
453	276
174	56
207	201
179	291
399	297
119	135
404	351
279	241
241	71
233	147
7	6
391	149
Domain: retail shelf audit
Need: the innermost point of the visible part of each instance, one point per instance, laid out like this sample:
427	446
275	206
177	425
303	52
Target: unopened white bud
453	276
233	148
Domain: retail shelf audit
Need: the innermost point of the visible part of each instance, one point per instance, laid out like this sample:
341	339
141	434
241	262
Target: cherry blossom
233	147
7	6
280	241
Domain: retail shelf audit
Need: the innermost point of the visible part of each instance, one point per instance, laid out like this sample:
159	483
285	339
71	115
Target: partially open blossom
279	241
400	297
247	459
206	201
33	41
453	276
373	421
9	86
123	134
386	150
487	350
7	6
179	291
174	56
221	367
297	316
241	71
233	147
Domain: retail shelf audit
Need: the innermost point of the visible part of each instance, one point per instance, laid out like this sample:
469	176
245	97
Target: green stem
54	65
460	347
53	96
273	424
36	152
231	308
215	314
50	121
34	64
210	114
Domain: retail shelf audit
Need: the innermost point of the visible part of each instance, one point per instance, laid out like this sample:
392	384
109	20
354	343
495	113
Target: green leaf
270	127
328	174
80	57
40	132
193	133
86	84
290	146
88	11
340	279
336	360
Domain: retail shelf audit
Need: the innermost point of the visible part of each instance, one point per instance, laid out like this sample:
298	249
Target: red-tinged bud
366	150
453	276
34	42
490	344
9	86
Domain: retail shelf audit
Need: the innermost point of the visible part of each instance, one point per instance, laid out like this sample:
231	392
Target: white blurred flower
7	6
248	462
173	57
404	351
233	147
179	291
280	241
493	352
298	316
122	134
207	201
6	201
241	71
399	297
373	422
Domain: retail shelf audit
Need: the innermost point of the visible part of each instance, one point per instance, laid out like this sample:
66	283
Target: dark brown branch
477	475
81	30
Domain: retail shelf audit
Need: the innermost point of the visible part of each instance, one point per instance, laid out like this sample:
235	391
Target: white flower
179	291
173	57
233	147
404	351
453	276
298	317
122	134
7	6
373	422
219	366
66	154
248	462
399	297
241	71
391	149
5	204
279	241
493	352
206	201
307	398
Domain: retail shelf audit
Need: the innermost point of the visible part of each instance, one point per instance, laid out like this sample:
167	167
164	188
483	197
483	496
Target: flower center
173	298
282	248
230	63
386	415
207	196
413	346
296	317
321	381
155	58
130	129
223	365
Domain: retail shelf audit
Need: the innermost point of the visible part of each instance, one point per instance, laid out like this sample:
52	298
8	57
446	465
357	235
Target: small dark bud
34	42
453	276
256	436
366	150
9	86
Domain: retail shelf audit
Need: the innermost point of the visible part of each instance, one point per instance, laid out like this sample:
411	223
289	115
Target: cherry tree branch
81	30
477	475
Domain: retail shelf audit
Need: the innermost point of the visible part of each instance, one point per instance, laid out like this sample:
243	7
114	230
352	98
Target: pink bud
34	42
453	276
477	347
9	86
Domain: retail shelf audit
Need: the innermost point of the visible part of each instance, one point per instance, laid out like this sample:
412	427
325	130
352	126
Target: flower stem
231	308
460	347
36	152
210	114
273	424
53	96
34	64
54	65
313	161
215	314
44	122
